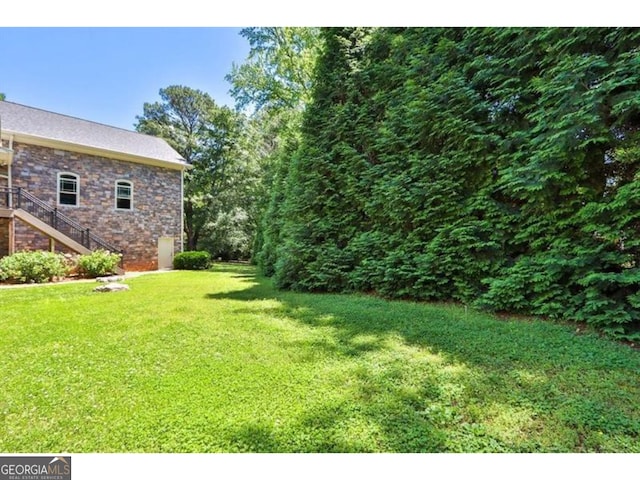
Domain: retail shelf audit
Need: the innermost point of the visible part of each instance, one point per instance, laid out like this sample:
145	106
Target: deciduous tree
274	84
205	135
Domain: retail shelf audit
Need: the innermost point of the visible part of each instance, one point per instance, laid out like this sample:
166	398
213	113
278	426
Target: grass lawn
221	362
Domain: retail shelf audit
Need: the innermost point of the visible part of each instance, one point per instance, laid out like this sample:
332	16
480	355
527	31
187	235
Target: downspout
11	231
182	210
9	163
9	169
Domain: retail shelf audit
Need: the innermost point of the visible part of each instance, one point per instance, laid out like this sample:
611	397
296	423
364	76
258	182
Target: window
68	187
124	195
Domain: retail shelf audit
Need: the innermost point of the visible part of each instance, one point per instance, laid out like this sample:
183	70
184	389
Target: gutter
97	151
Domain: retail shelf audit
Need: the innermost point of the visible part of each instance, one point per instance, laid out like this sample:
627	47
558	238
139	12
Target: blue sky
107	74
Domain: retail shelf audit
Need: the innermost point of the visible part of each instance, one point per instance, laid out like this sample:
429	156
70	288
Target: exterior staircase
16	202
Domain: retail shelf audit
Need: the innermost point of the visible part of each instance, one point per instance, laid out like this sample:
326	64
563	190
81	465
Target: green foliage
275	84
493	166
219	188
272	219
32	267
193	260
98	263
278	74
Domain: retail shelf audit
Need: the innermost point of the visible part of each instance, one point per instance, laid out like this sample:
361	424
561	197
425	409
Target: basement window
124	195
68	189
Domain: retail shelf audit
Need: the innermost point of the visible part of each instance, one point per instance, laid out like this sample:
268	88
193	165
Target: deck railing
17	197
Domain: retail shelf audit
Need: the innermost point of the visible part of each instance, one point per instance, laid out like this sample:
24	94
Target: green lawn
220	362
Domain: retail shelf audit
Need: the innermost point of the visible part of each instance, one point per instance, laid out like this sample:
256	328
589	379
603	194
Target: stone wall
28	238
156	209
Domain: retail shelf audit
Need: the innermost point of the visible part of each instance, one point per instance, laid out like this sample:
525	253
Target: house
73	185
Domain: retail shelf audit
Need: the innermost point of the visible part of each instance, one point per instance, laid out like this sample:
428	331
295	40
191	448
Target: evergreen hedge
493	166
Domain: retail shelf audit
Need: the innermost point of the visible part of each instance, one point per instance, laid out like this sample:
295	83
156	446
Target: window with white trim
124	195
68	189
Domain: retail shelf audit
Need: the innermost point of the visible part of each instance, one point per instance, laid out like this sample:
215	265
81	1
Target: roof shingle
20	119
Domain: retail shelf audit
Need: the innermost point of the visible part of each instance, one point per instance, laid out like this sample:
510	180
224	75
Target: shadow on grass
439	378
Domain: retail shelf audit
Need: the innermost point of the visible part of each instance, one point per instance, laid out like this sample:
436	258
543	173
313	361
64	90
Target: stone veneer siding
28	238
157	200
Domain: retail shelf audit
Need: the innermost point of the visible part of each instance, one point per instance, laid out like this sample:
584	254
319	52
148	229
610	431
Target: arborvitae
492	166
581	110
321	210
272	220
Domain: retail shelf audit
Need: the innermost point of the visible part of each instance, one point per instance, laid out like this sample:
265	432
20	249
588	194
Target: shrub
98	263
32	267
196	260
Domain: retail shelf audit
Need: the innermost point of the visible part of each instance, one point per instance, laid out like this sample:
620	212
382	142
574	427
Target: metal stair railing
18	197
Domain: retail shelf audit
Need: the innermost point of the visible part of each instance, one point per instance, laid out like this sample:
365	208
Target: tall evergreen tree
496	166
316	228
